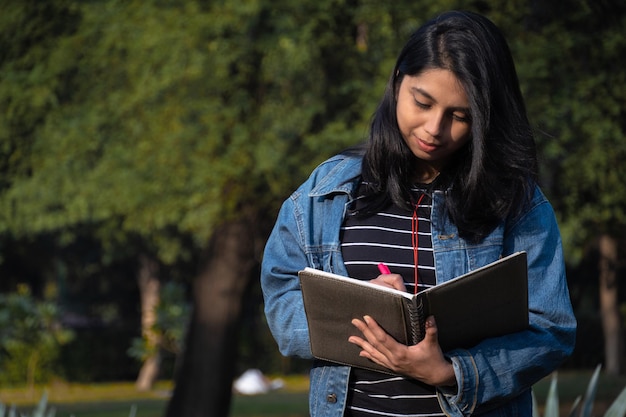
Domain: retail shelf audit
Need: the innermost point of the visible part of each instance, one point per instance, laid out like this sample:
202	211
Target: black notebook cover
487	302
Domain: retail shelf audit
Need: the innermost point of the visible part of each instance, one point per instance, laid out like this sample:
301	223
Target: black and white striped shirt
387	237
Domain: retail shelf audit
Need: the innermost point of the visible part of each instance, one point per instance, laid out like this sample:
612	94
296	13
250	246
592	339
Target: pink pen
384	269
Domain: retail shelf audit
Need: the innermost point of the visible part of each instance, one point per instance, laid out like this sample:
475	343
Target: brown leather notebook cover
488	302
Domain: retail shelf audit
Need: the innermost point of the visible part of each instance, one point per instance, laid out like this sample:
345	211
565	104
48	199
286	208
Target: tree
169	131
166	132
149	291
573	51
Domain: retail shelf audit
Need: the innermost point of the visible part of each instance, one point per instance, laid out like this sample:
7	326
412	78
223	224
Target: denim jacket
494	378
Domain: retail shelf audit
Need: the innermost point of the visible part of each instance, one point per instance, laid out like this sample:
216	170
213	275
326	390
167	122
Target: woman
446	183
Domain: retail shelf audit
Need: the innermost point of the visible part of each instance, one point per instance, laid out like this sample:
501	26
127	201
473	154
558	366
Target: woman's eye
461	118
421	105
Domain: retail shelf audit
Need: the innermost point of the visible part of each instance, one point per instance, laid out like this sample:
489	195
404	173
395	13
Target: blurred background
146	145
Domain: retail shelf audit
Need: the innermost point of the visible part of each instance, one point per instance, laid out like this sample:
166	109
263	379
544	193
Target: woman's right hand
390	281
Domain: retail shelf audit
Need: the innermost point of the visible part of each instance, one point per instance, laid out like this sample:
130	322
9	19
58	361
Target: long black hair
495	172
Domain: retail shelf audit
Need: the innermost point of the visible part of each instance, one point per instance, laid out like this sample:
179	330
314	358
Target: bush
173	313
31	338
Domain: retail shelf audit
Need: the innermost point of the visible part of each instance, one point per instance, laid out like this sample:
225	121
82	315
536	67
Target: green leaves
167	118
31	338
574	90
583	405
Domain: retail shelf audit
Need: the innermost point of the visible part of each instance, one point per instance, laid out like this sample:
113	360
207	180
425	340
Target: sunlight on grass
116	399
60	392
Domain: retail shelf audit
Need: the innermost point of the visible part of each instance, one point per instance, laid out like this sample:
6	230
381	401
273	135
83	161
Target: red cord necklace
415	240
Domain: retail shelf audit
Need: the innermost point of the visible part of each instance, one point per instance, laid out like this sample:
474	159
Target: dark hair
495	172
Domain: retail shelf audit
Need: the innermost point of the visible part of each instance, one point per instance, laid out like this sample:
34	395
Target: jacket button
331	398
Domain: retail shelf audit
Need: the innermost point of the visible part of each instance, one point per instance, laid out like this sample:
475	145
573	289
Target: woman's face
434	119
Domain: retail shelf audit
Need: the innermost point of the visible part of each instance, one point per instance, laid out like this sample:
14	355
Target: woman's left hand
424	361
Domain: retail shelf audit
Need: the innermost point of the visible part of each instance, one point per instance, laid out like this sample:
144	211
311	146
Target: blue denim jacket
494	377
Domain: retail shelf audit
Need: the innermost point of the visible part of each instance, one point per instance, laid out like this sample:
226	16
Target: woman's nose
434	124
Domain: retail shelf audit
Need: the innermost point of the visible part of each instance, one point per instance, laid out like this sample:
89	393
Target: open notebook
487	302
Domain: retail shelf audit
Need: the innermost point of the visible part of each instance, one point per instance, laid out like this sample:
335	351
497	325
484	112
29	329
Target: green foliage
167	119
160	120
576	90
582	406
31	338
144	124
173	313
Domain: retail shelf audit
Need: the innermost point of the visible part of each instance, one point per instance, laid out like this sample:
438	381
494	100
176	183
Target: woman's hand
390	281
424	361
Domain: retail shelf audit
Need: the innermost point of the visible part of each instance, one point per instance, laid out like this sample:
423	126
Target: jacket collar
341	178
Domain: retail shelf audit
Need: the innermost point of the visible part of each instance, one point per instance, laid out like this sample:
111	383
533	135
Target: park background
146	145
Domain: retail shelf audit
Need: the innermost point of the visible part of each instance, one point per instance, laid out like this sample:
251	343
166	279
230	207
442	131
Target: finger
359	324
363	344
368	335
390	281
360	341
382	343
431	335
365	347
373	332
375	337
394	281
356	340
368	351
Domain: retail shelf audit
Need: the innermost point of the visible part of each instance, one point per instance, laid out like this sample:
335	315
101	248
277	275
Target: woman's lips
425	146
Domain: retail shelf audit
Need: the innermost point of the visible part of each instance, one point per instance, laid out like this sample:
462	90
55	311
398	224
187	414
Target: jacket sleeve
498	370
283	257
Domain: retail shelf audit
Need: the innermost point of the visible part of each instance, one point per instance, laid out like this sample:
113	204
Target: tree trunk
609	306
149	290
204	380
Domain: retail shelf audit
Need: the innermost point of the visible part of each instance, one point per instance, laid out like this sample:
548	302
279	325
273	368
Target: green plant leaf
575	405
618	408
535	406
552	401
41	407
590	395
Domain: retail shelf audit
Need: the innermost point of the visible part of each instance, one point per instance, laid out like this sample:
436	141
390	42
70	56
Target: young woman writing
446	183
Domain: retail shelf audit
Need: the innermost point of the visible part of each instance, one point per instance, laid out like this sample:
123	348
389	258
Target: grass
60	393
92	400
116	399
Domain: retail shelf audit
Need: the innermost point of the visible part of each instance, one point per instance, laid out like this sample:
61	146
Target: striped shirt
388	237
